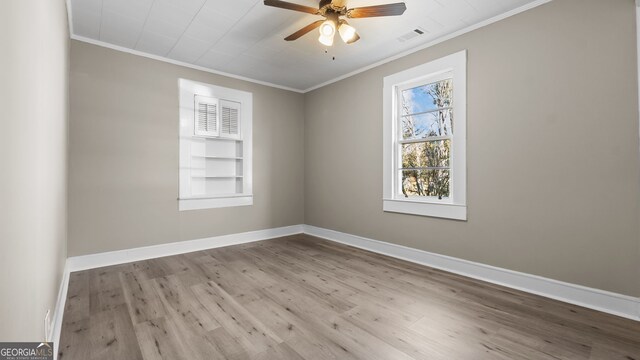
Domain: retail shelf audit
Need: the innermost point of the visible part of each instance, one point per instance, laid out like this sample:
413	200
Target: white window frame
453	66
187	91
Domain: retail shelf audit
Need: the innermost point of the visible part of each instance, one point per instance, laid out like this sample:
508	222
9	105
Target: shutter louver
230	119
206	122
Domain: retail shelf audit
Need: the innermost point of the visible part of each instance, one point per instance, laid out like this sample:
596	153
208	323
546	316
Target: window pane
423	183
437	123
426	154
427	97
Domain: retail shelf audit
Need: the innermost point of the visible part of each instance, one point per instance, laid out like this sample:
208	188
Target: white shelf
218	157
221	196
217	176
203	138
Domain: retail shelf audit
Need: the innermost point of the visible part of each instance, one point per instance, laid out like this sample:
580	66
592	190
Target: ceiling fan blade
304	30
378	10
291	6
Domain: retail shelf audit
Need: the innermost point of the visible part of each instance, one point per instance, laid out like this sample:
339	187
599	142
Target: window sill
212	203
433	209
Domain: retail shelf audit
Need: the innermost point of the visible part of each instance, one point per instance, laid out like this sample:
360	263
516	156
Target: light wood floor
304	298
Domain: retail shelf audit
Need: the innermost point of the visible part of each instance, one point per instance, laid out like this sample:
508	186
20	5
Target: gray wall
123	172
33	163
553	175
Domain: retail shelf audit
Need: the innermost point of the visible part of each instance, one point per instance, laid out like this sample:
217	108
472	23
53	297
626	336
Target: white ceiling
245	37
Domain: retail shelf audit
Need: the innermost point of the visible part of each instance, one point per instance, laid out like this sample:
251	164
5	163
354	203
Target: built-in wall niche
216	167
215	146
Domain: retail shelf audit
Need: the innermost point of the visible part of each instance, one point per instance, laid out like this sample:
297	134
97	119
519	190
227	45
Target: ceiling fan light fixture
328	28
347	32
327	32
326	40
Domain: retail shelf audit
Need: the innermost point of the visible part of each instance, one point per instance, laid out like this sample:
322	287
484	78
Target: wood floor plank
329	293
319	348
112	335
231	282
158	340
181	305
103	300
78	295
541	345
612	350
301	297
151	269
107	278
279	322
401	294
326	323
280	351
386	328
364	344
143	301
302	332
235	319
75	339
171	338
226	345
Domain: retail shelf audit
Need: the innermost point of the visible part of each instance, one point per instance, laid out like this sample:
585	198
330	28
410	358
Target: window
425	139
215	146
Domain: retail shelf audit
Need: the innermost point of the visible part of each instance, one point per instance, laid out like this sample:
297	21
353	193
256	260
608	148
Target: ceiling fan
333	10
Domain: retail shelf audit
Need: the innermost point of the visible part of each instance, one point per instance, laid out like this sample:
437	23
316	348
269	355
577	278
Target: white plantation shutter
206	116
229	119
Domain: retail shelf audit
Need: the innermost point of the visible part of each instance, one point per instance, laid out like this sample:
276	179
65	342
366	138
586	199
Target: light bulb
326	40
328	28
347	32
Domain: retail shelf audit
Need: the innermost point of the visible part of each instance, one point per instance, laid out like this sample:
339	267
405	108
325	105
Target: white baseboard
84	262
605	301
54	333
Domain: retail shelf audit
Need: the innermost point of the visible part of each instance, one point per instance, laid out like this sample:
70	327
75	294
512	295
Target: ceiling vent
412	34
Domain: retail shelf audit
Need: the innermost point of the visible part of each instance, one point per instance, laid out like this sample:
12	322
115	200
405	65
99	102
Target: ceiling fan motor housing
324	3
327	7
